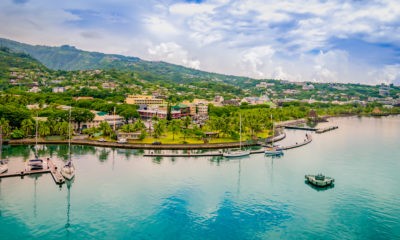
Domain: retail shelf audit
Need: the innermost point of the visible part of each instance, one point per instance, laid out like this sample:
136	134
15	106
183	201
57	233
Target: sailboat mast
1	143
69	134
36	136
240	127
273	131
114	119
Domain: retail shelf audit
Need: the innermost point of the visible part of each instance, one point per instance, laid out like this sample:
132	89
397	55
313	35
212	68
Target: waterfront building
98	118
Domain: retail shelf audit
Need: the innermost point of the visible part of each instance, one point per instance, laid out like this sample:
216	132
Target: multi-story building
143	99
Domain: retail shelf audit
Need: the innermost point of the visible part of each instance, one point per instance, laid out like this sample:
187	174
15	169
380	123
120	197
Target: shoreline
31	141
277	138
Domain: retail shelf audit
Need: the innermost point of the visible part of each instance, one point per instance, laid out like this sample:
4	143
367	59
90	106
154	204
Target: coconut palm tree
28	126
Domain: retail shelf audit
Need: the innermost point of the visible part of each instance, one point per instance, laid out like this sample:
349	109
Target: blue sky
322	41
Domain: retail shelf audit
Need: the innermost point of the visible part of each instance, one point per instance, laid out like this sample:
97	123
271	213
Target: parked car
102	140
156	143
122	140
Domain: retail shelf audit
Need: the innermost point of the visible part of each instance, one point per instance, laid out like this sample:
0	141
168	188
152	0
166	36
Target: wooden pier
51	168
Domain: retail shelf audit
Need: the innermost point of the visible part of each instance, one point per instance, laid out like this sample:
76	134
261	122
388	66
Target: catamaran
273	150
3	163
36	163
68	170
237	152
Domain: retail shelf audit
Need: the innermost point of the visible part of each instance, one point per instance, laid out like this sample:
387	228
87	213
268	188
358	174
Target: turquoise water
119	194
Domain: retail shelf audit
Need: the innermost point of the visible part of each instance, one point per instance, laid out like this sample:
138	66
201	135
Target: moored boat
35	164
3	166
3	163
68	170
273	150
237	152
319	180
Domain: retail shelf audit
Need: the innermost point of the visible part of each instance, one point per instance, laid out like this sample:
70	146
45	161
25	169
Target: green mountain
69	58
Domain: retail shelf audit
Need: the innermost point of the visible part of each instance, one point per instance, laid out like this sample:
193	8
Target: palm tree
27	125
158	130
43	129
5	124
175	127
186	123
105	128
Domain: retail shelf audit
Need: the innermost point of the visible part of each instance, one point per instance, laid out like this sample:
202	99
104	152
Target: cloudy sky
310	40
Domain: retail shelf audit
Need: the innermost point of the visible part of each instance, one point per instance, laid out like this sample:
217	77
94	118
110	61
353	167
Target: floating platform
51	168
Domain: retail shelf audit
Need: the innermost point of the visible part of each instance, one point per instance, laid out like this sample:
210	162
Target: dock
322	130
301	128
51	168
220	154
316	130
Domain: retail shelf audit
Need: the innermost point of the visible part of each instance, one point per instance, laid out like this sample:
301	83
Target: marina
51	168
120	194
306	141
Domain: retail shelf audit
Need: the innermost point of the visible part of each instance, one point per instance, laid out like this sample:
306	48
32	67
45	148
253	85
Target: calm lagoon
119	194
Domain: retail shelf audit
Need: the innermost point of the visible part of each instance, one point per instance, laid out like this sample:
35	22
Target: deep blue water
119	194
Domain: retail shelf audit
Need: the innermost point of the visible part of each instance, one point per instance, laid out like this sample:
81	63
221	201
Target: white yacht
237	152
273	150
68	170
36	163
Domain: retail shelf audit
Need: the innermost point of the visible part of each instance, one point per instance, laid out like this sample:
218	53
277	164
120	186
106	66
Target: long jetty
220	154
51	168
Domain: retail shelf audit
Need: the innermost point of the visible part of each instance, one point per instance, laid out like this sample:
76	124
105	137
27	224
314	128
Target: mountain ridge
70	58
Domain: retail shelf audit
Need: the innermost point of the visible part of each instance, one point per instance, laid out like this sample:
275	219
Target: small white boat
3	166
319	180
273	151
237	153
68	170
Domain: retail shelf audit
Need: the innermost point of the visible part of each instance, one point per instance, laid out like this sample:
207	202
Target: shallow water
119	194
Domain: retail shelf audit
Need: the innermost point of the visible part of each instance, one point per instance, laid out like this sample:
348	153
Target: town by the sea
121	194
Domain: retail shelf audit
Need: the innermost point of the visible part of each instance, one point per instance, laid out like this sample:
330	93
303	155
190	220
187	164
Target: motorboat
35	164
273	151
319	180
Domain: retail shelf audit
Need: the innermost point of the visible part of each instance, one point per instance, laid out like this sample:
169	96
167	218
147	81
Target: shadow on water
319	189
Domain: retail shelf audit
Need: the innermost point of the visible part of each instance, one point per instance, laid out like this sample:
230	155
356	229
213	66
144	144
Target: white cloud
257	38
388	74
190	9
174	53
